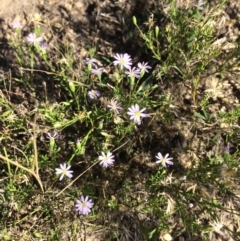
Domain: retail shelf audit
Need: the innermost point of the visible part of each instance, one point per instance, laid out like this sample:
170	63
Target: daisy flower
64	171
44	46
164	160
123	60
133	72
97	71
93	94
199	4
92	61
84	205
52	138
33	39
115	106
17	25
106	160
136	114
143	67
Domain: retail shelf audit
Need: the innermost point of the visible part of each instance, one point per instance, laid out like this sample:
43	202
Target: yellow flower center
137	114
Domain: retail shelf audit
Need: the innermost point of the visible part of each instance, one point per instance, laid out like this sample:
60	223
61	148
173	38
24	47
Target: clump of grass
100	145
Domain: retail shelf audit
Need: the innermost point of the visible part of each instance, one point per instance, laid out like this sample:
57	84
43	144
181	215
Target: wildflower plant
64	171
51	139
84	205
133	73
98	72
123	61
91	63
135	113
106	159
144	68
114	106
199	4
99	104
93	94
164	160
17	25
34	40
194	28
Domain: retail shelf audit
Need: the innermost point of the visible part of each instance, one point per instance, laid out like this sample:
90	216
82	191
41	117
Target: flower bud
71	86
134	20
156	31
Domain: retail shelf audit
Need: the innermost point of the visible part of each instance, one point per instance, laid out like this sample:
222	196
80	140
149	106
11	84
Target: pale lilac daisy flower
17	25
228	147
33	39
136	114
199	4
106	160
84	205
164	160
133	72
93	94
115	106
64	171
78	144
123	60
143	67
91	62
51	137
44	46
97	71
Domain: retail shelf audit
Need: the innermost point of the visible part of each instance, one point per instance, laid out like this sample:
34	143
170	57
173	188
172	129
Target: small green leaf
37	235
200	116
150	235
